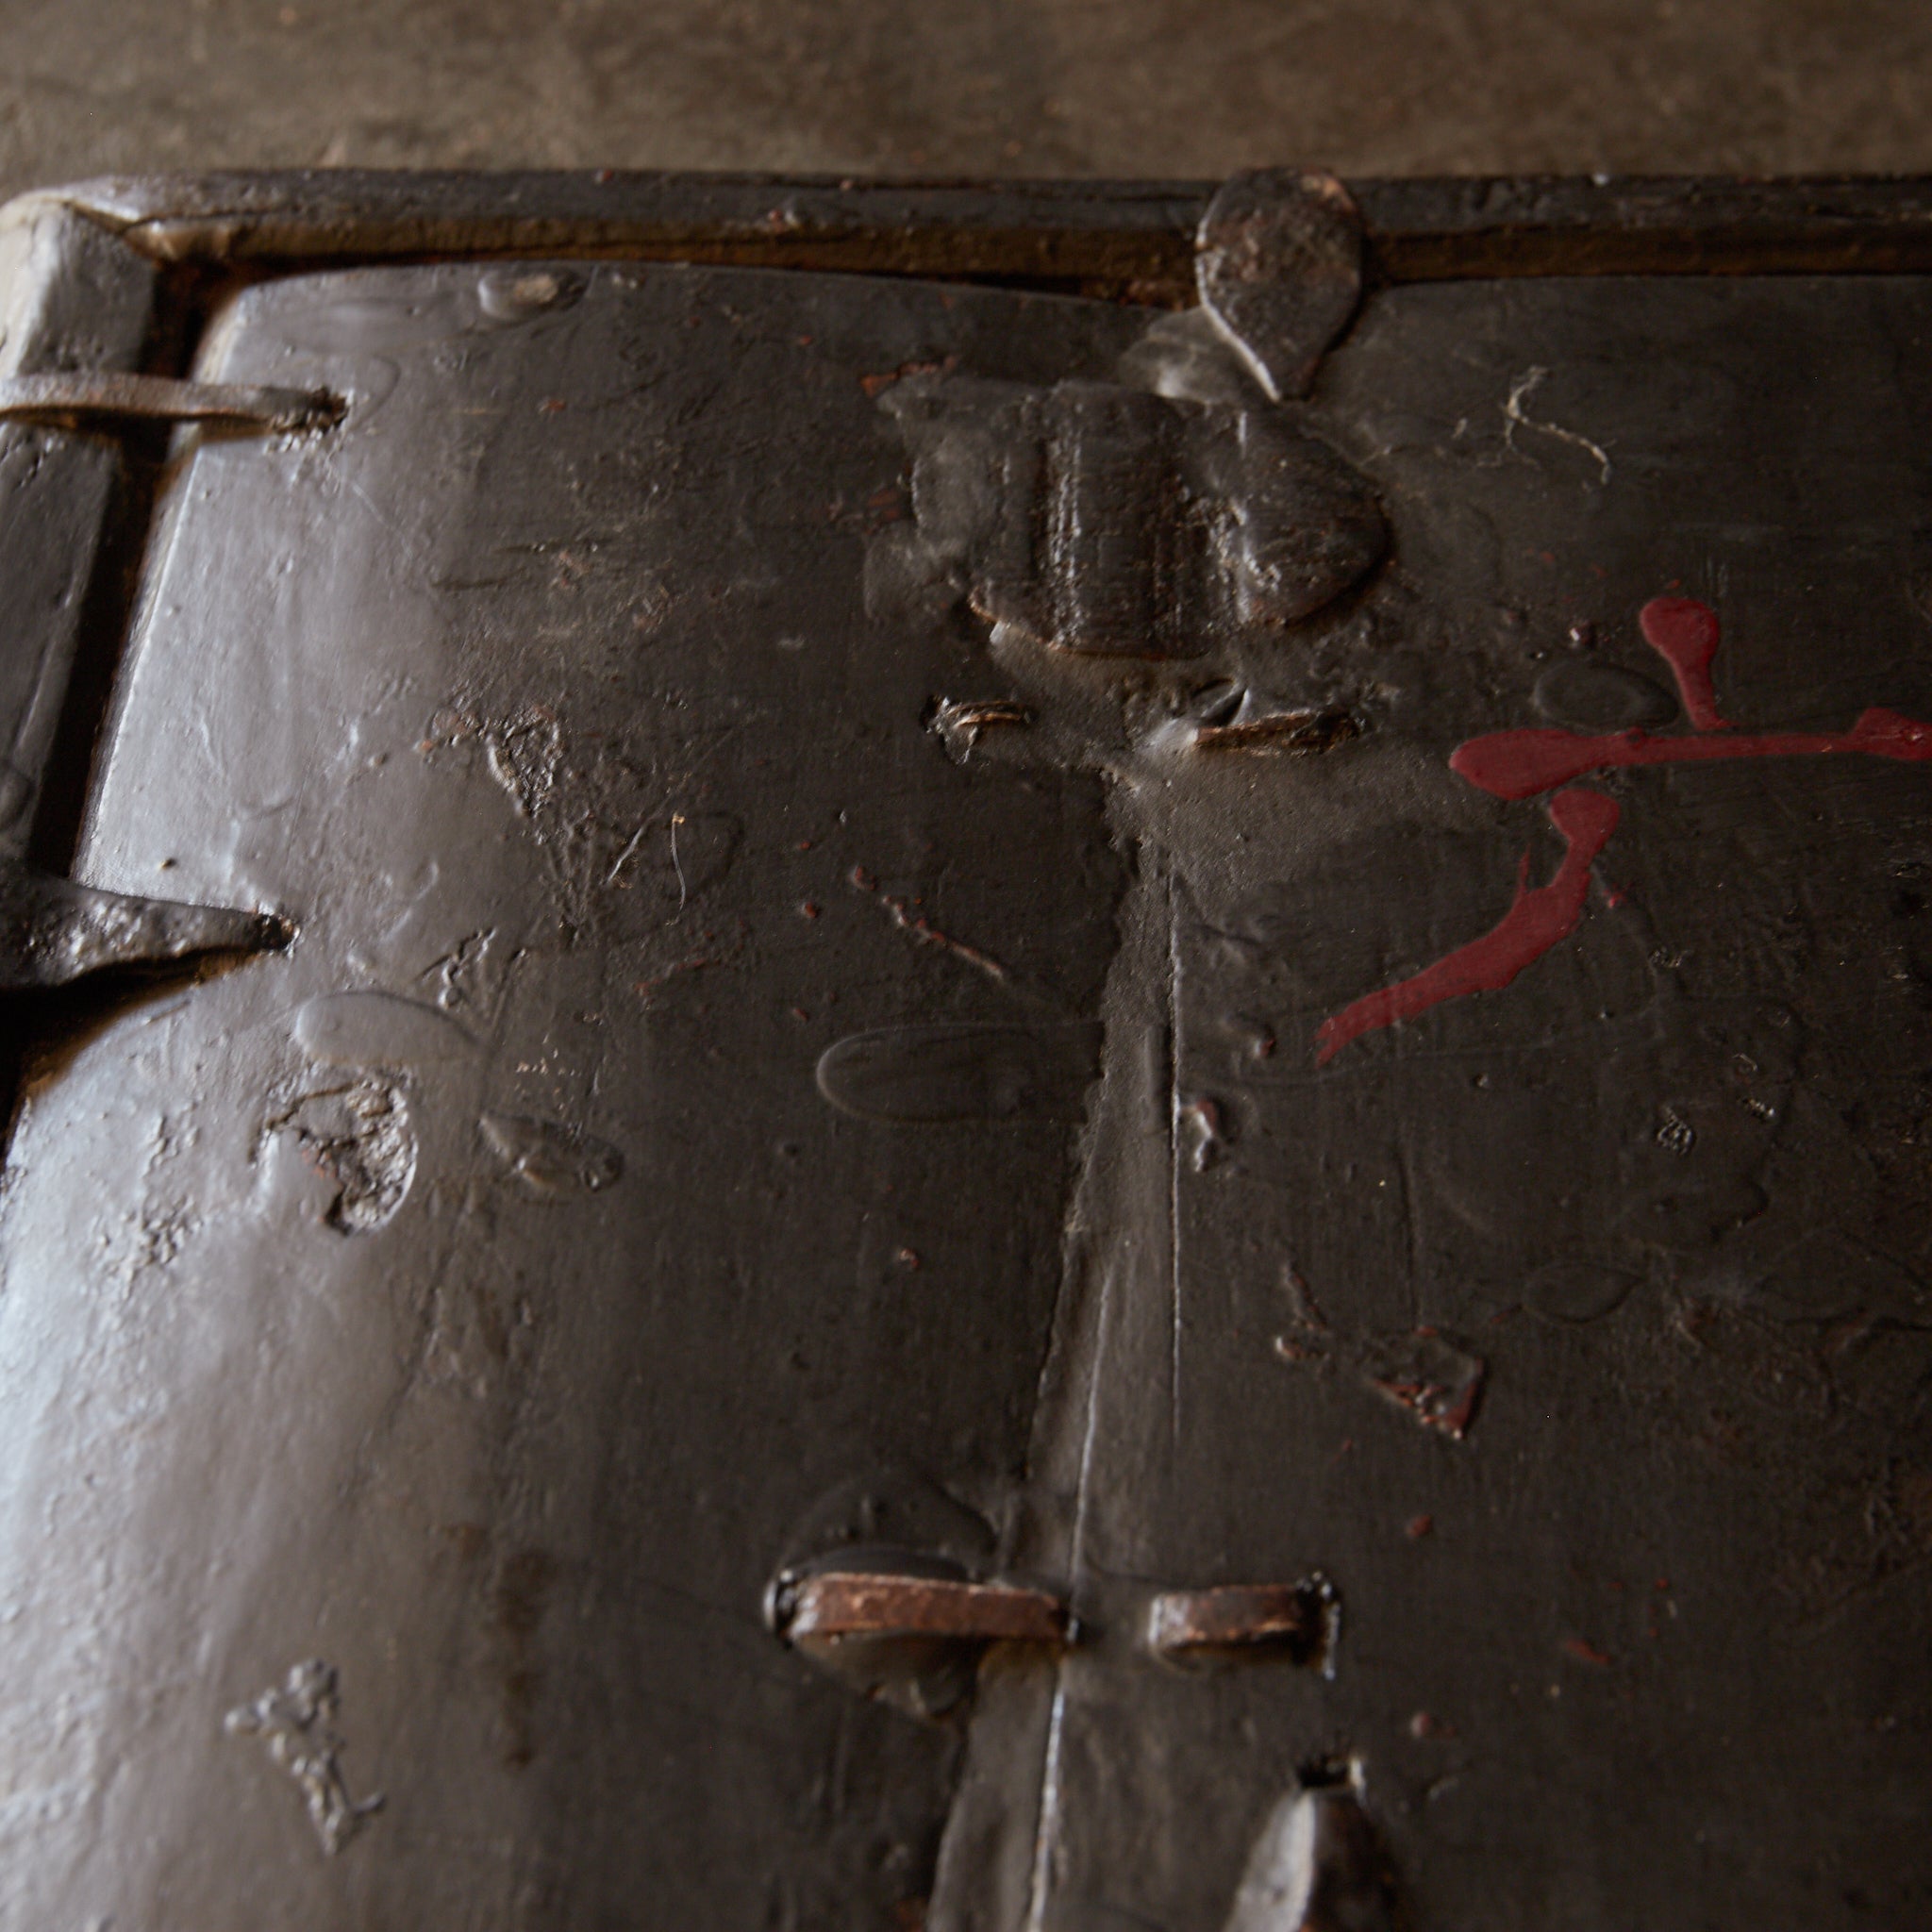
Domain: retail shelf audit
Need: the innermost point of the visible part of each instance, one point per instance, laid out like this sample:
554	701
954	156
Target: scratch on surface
1411	1197
921	929
413	548
1048	1828
1173	1153
1514	419
676	864
720	954
629	852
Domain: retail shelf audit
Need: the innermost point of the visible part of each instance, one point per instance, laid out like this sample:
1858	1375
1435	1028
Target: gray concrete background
1173	87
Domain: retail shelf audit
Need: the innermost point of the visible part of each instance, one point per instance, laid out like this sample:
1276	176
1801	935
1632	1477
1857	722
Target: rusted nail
1298	1620
833	1604
1295	732
79	398
959	722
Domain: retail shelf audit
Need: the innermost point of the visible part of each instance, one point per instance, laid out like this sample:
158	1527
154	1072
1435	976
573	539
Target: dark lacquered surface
1576	1331
483	1298
488	1295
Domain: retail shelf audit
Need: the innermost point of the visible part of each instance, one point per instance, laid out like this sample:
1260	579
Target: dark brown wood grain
1128	240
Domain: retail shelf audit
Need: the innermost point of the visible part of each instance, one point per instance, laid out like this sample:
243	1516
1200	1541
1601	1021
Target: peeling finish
360	1135
383	1029
297	1726
1435	1379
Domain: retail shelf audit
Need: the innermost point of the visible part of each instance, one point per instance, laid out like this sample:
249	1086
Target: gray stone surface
980	87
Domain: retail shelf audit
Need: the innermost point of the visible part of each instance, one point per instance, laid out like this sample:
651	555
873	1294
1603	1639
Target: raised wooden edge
1131	241
69	298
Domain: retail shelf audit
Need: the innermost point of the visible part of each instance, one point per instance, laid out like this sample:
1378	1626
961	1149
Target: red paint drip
1683	633
1588	1653
1537	919
1520	764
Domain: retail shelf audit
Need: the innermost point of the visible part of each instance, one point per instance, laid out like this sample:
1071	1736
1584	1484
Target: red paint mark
1683	633
1525	763
1438	1383
921	929
649	989
1453	1415
810	910
1418	1527
1587	1652
874	385
1538	919
1520	764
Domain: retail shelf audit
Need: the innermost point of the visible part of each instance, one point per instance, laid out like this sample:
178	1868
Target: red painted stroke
1537	919
1525	763
1683	633
1520	764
